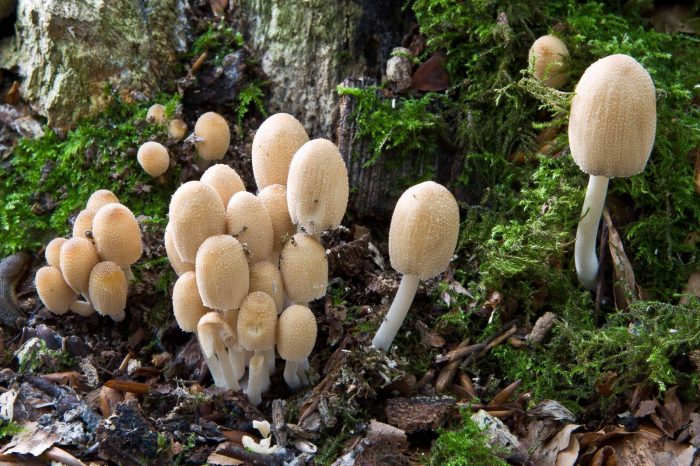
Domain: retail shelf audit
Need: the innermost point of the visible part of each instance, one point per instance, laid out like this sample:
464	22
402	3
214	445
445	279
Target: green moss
9	428
41	357
218	41
466	446
251	97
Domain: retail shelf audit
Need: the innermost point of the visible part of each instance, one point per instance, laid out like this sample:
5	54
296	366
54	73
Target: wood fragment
125	362
198	63
466	382
427	377
58	455
13	95
252	458
447	373
127	386
498	340
63	378
501	413
542	327
459	353
504	395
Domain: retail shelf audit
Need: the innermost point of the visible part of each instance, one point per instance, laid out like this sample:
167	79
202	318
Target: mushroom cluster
95	262
240	257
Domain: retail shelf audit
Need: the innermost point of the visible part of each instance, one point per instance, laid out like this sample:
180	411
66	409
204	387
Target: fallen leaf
605	457
128	386
32	440
547	455
431	75
624	286
569	455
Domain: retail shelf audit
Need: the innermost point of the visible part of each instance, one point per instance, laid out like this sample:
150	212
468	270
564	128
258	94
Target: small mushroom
153	158
108	290
177	129
53	290
422	239
304	269
117	236
83	223
212	136
274	145
274	198
266	277
548	56
156	114
176	262
222	272
224	180
612	127
248	221
53	252
77	258
101	198
214	335
296	337
317	187
187	304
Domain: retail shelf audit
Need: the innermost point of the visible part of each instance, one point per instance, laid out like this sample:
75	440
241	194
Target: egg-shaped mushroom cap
424	229
214	134
548	55
77	258
101	198
153	158
612	124
266	277
108	290
117	235
177	129
176	262
304	268
257	322
317	187
196	213
274	198
296	333
53	252
156	114
53	290
187	304
83	223
247	221
224	180
213	332
222	272
274	145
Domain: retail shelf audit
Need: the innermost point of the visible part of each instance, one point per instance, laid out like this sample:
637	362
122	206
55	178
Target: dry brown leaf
646	408
431	75
624	286
605	457
128	386
32	440
569	455
547	455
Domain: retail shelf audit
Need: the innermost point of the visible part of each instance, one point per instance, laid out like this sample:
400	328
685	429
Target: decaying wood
542	327
447	373
419	413
504	395
252	458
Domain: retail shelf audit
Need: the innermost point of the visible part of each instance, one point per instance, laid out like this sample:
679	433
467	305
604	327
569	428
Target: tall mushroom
612	127
296	337
214	335
422	238
274	145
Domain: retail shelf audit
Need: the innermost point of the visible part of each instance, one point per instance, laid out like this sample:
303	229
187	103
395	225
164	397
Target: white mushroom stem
270	358
128	273
227	369
397	312
83	308
584	251
302	367
215	369
237	359
290	375
255	373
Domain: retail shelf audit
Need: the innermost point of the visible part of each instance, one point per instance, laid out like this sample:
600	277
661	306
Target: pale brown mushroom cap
77	258
257	322
213	129
83	223
196	213
266	277
274	198
548	54
117	235
612	124
108	290
222	272
317	187
224	180
156	114
176	262
153	158
101	198
424	230
304	268
274	145
296	333
53	252
212	332
177	129
247	221
53	290
187	304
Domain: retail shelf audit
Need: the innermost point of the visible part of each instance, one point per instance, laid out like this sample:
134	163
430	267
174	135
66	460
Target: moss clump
50	178
467	446
9	428
218	40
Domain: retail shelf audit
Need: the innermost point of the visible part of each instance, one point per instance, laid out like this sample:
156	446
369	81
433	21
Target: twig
255	459
448	372
61	456
504	395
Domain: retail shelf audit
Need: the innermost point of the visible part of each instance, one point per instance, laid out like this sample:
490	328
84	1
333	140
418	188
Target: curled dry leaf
624	287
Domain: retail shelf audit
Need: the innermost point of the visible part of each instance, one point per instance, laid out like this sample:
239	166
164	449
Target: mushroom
224	180
153	158
211	136
304	269
317	187
422	239
77	258
108	290
612	126
548	56
266	277
257	320
82	227
177	129
117	236
178	265
214	336
296	337
274	145
274	198
101	198
222	272
156	114
236	353
53	251
187	304
196	213
53	290
249	223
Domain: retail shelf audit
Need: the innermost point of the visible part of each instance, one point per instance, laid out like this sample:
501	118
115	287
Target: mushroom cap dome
274	145
257	322
222	272
274	198
153	158
296	333
176	262
213	332
213	129
248	221
224	180
100	198
117	235
266	277
53	251
53	290
108	290
424	230
304	268
187	304
549	54
612	125
77	258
